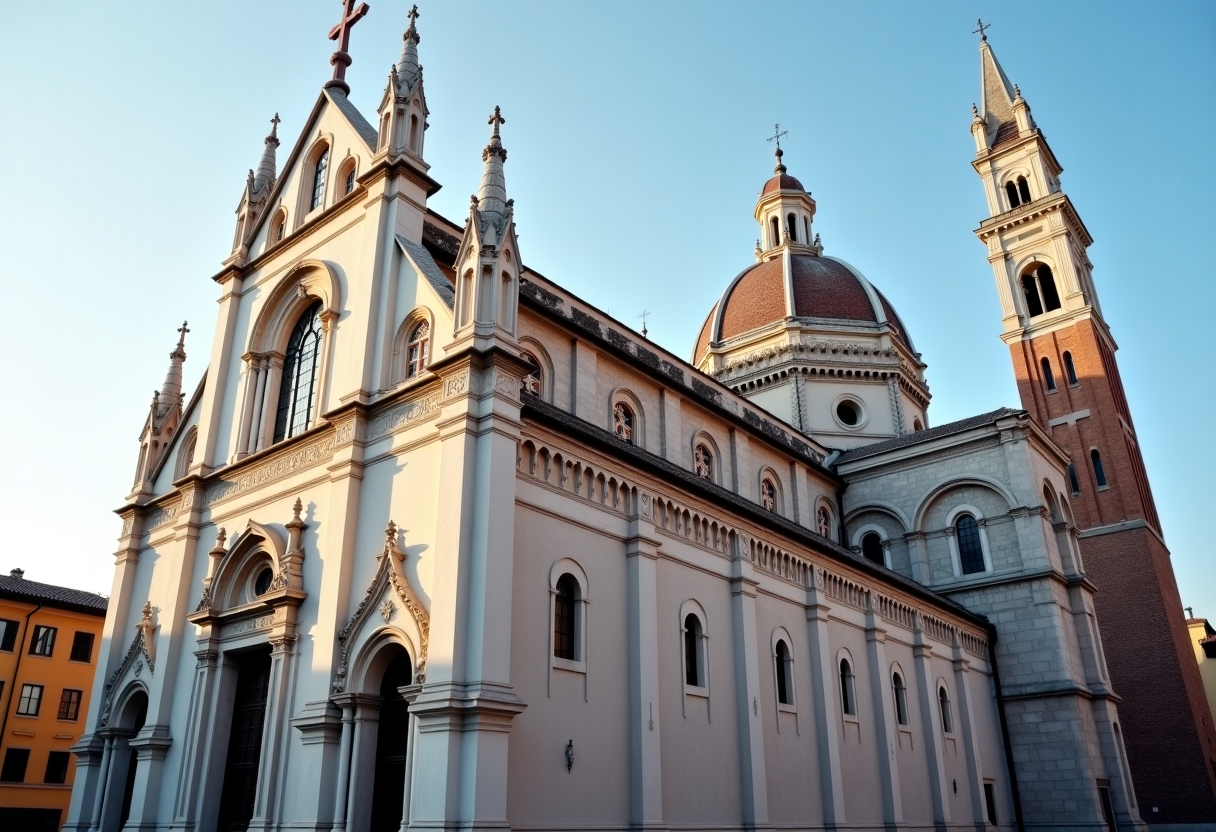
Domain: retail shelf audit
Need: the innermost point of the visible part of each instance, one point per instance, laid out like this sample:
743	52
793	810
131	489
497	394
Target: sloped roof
32	592
938	432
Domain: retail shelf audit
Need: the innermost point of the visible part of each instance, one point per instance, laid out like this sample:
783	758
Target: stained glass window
970	550
301	370
417	350
318	180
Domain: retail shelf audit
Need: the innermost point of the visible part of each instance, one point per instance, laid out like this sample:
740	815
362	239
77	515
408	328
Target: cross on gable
351	14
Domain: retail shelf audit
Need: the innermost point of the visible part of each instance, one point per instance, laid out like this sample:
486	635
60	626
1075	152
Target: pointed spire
492	195
171	391
408	69
996	93
267	168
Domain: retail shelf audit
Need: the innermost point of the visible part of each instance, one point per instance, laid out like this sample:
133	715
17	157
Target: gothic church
437	545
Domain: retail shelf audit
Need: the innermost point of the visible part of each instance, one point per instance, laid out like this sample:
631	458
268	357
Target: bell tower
1064	358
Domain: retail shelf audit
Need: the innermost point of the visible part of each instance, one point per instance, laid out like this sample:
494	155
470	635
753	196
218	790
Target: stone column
329	325
823	674
91	760
273	373
189	780
645	737
346	702
257	411
253	370
930	726
753	784
149	746
884	708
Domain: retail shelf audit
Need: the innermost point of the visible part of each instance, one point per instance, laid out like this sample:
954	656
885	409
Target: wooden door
245	742
392	737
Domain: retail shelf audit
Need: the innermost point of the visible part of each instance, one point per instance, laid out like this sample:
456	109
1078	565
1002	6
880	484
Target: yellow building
1203	639
49	639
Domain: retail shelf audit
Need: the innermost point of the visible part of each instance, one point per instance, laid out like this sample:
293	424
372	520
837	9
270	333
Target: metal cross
183	329
414	15
497	119
643	316
275	121
980	31
351	14
778	135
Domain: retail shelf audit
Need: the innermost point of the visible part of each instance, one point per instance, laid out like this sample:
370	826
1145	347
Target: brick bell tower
1064	357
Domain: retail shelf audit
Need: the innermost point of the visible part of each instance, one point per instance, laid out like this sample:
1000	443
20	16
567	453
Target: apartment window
8	634
57	767
69	704
15	761
82	647
31	700
43	643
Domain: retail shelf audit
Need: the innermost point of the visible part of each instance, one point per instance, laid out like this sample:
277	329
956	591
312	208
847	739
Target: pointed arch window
417	349
318	180
871	547
970	546
301	369
623	422
1099	471
703	461
1070	369
350	180
1049	379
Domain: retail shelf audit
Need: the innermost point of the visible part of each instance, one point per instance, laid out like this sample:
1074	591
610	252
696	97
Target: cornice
1041	207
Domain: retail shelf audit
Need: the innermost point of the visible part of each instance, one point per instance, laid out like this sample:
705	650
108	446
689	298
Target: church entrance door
392	737
133	718
245	742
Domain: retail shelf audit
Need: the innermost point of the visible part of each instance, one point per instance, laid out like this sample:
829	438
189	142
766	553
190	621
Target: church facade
437	545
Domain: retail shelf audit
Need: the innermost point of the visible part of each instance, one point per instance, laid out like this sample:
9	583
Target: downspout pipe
1000	707
16	671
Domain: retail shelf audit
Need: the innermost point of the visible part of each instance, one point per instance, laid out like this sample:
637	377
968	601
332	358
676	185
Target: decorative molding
275	468
141	645
163	514
403	415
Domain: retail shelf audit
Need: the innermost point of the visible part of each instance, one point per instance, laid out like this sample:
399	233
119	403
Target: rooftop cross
183	329
275	123
497	119
778	135
413	15
351	14
980	31
644	316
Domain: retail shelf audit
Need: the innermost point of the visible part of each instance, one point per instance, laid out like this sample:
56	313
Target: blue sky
637	146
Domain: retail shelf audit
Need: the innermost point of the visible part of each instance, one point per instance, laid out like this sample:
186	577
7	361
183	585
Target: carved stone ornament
390	572
141	645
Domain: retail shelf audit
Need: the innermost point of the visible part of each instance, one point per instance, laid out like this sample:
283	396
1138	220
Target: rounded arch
846	675
185	453
1011	175
860	543
568	566
543	360
637	431
899	691
890	509
306	283
402	340
825	518
130	708
929	499
254	549
953	518
945	708
1051	503
375	654
703	437
777	496
277	230
348	171
1034	259
694	644
314	185
782	652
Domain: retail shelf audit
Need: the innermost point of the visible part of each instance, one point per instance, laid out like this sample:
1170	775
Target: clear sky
636	133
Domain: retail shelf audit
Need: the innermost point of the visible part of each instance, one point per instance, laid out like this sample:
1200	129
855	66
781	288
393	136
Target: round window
848	412
262	583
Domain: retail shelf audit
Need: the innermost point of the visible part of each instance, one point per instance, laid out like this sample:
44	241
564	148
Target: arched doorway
120	789
244	756
392	739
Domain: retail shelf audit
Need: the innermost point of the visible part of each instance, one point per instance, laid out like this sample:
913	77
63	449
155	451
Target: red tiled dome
782	182
823	287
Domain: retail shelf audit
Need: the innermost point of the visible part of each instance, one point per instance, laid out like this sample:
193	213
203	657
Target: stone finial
296	509
390	533
409	72
268	167
147	618
492	195
16	573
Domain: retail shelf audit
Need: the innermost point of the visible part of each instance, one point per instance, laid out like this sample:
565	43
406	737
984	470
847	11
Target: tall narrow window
901	699
694	662
871	547
990	802
768	494
1070	369
530	383
703	462
417	350
564	603
1023	189
1099	471
776	226
943	701
824	520
1034	306
970	548
1049	379
1047	284
791	226
1073	482
783	665
1011	191
622	421
414	133
848	702
280	228
301	370
8	634
43	643
318	180
350	180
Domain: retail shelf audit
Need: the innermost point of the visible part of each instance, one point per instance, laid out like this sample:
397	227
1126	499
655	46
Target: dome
782	182
822	287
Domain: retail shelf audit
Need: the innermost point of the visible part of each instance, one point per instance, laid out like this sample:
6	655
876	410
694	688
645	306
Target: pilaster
884	731
753	784
827	734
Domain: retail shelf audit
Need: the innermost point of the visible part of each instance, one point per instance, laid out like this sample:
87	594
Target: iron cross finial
778	135
980	31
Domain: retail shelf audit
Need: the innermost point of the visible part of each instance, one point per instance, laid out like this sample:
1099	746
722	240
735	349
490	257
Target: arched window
414	133
901	699
1023	189
943	701
1099	471
1070	370
1034	306
1047	283
1073	482
565	619
318	180
186	454
531	382
1049	378
703	462
301	369
917	426
776	226
1039	287
823	518
623	422
871	547
694	652
1011	191
768	494
848	699
417	350
784	666
280	227
970	548
350	180
791	226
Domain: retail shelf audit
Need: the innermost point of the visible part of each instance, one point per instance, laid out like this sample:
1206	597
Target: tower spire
171	390
267	167
492	195
408	68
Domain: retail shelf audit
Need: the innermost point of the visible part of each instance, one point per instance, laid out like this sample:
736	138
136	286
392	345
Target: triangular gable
425	265
188	421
